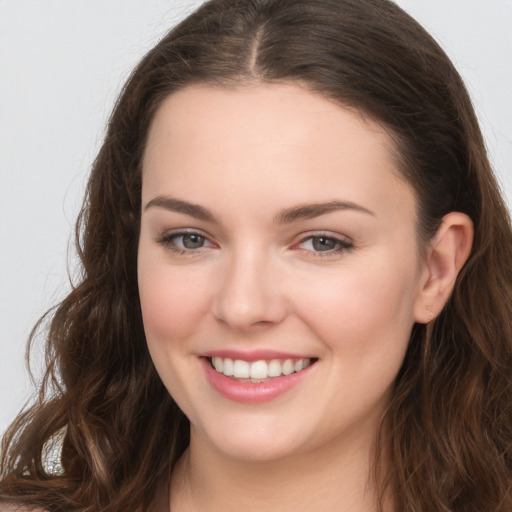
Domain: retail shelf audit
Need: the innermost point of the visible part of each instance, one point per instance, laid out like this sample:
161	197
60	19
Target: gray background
62	63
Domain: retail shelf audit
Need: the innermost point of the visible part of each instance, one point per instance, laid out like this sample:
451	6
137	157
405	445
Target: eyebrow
310	211
286	216
176	205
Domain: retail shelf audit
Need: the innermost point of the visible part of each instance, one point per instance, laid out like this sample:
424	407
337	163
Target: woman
296	281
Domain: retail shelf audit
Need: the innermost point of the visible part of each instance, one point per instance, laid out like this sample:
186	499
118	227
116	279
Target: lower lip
252	391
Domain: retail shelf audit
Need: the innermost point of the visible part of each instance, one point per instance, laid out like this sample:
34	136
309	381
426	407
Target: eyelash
340	245
168	240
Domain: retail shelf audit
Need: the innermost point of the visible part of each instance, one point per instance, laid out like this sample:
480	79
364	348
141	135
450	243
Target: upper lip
253	355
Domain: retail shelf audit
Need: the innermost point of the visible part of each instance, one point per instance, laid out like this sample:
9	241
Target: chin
261	442
255	450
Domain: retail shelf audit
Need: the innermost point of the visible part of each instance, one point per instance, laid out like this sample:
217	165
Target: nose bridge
248	293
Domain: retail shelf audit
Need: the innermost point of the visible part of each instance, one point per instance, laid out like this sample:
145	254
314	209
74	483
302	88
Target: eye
184	242
189	241
325	244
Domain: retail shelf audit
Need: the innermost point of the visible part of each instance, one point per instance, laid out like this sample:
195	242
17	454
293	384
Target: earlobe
448	252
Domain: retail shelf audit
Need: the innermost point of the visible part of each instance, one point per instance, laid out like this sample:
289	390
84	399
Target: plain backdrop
62	64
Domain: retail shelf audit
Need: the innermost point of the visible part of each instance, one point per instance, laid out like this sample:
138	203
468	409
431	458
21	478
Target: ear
446	255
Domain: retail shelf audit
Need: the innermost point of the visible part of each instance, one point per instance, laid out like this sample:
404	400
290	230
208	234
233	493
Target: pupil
193	241
323	244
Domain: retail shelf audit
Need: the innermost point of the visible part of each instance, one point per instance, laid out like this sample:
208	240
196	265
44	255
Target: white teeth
228	367
274	368
241	369
217	363
288	367
258	370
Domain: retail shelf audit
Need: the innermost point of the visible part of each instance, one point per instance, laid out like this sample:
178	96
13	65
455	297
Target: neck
332	477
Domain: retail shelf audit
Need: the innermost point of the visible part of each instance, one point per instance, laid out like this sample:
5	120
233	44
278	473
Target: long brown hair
445	443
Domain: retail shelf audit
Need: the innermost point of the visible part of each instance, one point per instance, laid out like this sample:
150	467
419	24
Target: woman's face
276	234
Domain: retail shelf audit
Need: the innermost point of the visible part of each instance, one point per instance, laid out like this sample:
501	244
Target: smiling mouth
258	371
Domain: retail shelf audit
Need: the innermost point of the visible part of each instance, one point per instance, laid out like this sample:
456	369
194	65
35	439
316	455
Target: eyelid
166	240
344	243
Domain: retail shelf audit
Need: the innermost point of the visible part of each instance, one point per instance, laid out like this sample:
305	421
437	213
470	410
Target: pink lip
252	391
253	355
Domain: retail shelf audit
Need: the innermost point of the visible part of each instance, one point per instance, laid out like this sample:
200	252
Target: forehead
261	111
264	140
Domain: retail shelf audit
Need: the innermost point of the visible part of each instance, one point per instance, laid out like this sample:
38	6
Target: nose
250	293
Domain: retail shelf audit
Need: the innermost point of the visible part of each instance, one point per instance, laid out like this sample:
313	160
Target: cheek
364	312
172	304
